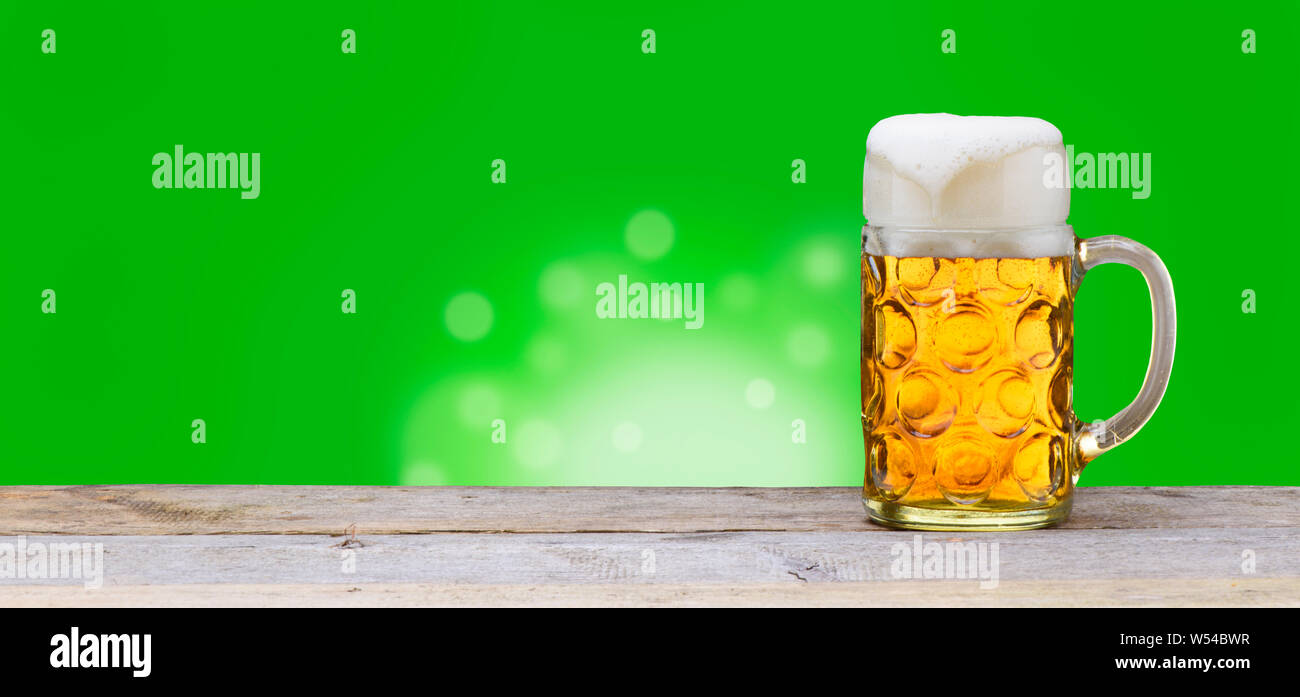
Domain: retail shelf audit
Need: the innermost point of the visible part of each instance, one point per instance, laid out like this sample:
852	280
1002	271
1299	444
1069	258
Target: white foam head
965	173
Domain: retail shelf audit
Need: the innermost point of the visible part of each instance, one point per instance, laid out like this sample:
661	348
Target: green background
376	176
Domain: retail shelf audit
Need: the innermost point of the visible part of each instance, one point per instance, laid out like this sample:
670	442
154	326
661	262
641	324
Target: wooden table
285	545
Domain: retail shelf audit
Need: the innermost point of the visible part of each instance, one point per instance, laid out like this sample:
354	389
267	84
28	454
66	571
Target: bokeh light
546	354
468	316
824	264
649	235
808	345
627	437
738	292
760	393
561	286
478	405
422	474
537	444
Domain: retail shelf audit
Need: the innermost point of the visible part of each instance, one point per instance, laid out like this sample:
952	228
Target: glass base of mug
897	515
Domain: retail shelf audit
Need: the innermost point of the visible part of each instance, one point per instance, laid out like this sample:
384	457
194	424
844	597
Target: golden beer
966	378
969	274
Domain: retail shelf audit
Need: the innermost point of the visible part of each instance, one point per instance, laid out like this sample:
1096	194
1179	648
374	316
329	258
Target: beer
966	369
968	278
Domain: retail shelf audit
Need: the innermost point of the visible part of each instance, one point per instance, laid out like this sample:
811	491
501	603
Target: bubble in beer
468	316
649	235
1039	466
873	391
1005	403
963	469
872	278
1006	281
895	338
923	281
927	404
1039	334
893	465
1059	396
966	338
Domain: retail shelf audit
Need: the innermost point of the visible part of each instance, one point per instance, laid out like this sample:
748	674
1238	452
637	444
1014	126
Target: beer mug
969	273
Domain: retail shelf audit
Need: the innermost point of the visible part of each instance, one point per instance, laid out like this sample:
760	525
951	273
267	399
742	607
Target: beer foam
966	175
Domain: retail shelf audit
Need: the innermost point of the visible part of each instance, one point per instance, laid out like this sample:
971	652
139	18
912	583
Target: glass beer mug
969	273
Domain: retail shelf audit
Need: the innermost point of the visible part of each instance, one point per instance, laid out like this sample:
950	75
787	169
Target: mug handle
1095	438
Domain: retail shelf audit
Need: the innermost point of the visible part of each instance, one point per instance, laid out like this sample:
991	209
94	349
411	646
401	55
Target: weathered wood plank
218	545
685	558
315	510
1217	592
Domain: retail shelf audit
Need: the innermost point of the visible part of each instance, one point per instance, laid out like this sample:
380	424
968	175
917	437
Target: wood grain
316	510
1226	592
280	545
731	557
